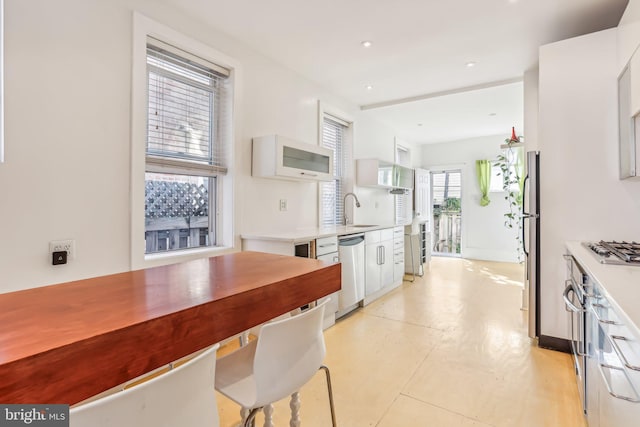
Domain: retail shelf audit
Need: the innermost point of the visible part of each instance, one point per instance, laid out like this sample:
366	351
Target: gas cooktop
620	253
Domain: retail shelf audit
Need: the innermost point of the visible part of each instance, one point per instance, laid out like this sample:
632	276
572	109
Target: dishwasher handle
351	240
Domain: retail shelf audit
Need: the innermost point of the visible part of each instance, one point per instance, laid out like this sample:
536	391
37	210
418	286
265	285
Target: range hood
378	173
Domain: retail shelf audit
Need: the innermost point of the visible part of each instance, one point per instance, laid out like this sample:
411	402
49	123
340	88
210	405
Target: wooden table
64	343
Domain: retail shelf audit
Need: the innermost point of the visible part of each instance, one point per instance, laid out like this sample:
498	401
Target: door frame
449	168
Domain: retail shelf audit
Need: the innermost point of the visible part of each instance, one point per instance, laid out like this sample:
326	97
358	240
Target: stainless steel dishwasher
351	249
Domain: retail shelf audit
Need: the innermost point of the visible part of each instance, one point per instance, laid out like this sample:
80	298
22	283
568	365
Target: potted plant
512	170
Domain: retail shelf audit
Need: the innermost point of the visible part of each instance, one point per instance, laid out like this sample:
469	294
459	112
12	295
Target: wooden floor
450	349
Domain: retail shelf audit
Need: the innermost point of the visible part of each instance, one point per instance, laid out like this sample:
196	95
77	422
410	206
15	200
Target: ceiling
417	63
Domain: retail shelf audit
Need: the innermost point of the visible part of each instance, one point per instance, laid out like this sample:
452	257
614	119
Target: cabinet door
626	134
634	85
386	274
373	257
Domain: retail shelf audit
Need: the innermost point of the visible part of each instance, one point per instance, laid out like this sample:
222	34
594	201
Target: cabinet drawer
372	237
386	234
326	245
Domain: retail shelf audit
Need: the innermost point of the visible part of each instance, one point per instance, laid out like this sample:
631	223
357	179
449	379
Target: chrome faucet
344	205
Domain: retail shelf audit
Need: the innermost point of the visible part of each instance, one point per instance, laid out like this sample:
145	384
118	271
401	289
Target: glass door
446	188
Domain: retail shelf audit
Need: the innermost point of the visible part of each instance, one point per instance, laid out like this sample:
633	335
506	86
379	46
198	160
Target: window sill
157	259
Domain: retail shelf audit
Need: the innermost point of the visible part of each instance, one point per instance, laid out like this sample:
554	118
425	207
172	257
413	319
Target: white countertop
306	234
620	283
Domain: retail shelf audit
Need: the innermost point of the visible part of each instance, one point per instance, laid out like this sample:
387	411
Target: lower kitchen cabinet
379	260
398	254
384	262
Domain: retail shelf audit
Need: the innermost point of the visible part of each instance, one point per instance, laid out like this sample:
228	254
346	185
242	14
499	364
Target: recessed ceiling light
419	124
366	43
470	64
369	87
492	114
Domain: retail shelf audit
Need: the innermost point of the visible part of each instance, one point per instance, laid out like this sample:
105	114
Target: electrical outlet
63	245
283	204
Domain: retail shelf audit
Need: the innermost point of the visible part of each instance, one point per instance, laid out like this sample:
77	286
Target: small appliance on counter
617	253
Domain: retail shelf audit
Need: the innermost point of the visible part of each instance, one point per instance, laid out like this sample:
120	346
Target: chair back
289	352
183	397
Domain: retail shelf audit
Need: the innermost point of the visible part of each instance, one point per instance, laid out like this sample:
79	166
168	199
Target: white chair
183	397
284	357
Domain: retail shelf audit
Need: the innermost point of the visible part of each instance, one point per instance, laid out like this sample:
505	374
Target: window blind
332	193
187	102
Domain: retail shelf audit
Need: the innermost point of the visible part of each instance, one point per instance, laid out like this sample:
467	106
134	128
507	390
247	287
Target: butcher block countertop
67	342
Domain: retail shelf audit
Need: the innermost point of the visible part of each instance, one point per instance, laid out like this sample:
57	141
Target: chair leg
250	421
330	390
294	404
268	415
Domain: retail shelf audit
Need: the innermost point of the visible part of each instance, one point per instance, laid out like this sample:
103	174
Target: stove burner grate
626	251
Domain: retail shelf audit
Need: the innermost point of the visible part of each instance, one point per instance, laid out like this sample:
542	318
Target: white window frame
144	27
325	109
402	147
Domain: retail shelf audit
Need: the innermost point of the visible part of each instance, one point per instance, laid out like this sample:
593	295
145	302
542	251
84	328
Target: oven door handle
567	302
616	347
610	389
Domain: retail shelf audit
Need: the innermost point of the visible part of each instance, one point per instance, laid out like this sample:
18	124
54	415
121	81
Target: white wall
375	141
67	140
581	196
484	235
628	33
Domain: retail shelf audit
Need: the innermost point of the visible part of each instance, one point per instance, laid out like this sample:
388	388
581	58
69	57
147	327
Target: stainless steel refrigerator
531	239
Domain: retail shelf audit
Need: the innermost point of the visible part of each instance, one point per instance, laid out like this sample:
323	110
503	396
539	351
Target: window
187	99
403	155
335	136
514	157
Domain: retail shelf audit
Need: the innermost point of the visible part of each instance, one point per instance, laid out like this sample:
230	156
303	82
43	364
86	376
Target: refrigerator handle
524	214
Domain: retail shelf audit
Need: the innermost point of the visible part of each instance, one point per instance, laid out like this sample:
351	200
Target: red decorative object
514	138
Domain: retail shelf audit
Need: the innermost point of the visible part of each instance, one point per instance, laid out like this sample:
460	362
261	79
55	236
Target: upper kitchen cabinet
378	173
629	118
277	157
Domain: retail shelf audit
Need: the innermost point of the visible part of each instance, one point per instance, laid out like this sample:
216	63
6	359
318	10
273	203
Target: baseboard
553	343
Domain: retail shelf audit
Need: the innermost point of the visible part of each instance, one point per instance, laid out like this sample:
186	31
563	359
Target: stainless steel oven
575	298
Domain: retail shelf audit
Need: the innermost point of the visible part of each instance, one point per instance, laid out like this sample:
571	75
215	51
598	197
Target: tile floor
450	349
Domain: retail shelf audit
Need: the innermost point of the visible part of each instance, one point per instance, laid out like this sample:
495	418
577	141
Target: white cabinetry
379	260
327	250
277	157
378	173
629	118
381	271
398	254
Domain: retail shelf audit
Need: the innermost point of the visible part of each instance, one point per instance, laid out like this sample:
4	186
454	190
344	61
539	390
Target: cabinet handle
327	245
610	390
384	258
379	258
618	350
307	173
